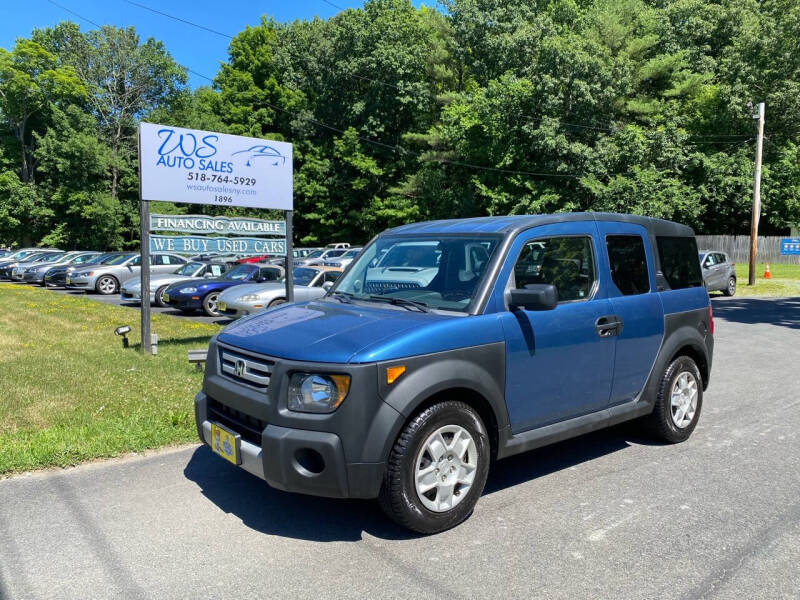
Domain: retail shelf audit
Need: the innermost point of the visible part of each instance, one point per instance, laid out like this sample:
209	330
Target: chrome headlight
309	392
251	298
188	290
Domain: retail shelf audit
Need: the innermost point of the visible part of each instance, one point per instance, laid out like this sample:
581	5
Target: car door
629	267
558	364
711	272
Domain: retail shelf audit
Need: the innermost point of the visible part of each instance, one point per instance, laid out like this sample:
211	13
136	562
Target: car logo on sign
240	364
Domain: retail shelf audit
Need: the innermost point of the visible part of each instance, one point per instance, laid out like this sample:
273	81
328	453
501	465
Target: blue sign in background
790	246
194	244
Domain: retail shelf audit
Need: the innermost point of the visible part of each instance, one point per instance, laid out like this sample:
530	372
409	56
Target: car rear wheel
678	403
210	304
159	296
437	468
106	285
730	290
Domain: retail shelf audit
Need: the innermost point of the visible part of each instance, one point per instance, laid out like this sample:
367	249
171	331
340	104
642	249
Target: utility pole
751	277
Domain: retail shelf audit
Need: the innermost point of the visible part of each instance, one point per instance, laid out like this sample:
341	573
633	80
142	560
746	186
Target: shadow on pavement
784	312
274	512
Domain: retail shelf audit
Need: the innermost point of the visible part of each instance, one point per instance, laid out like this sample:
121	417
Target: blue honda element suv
449	344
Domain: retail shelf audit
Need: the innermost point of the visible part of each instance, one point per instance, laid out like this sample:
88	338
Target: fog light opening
309	460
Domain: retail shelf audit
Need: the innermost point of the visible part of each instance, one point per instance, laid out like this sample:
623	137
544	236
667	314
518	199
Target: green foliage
399	113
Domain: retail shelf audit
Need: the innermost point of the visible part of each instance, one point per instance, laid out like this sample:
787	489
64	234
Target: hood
156	281
250	288
331	332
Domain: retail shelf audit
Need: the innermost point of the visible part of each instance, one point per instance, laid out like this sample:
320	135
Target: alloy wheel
445	468
683	400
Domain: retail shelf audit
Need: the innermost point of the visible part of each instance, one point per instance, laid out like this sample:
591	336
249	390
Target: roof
515	223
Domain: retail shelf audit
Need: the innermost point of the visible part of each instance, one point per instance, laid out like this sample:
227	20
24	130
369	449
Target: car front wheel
106	285
210	304
437	468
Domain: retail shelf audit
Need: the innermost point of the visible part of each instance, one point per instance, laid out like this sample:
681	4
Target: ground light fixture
123	330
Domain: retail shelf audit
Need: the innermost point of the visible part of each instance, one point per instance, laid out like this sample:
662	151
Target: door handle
608	325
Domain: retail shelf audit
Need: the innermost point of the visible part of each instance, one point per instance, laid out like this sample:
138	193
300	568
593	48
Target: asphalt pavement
607	515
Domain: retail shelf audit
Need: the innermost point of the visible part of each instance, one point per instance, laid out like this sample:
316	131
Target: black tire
660	423
730	290
158	296
276	302
399	498
210	304
103	285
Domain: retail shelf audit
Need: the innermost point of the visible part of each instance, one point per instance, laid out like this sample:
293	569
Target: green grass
785	281
71	393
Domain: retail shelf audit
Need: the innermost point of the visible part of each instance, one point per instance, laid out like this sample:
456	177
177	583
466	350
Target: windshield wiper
342	297
404	302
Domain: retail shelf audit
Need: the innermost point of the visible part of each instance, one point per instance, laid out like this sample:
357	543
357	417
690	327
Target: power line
174	18
73	13
333	5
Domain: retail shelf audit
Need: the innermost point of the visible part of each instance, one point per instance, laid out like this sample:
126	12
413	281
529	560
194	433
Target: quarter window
565	262
628	263
679	262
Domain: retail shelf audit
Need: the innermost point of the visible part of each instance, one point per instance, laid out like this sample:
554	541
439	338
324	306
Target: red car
255	259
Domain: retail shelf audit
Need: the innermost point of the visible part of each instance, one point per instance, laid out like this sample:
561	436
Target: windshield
118	260
315	254
303	275
239	273
189	269
48	258
441	272
351	253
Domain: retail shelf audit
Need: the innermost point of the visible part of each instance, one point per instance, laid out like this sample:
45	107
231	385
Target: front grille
244	368
378	287
248	427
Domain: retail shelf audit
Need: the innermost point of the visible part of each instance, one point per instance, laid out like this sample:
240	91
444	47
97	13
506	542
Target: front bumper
236	310
79	283
340	455
34	277
185	301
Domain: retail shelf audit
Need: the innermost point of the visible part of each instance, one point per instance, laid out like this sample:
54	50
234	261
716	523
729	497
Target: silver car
719	273
131	289
309	283
105	279
316	259
35	273
344	260
45	258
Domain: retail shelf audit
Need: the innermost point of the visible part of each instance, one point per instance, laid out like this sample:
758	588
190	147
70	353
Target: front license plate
165	297
222	306
226	443
67	280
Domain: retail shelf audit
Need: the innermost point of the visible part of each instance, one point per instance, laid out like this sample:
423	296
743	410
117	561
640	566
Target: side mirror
327	285
534	296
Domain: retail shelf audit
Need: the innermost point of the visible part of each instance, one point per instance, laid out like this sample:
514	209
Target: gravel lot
608	515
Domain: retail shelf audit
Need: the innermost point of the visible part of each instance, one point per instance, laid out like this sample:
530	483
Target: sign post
190	166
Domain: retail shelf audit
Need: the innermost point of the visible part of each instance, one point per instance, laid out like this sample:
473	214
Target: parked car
309	283
338	245
297	254
105	279
317	259
719	273
56	276
190	296
18	272
344	260
36	272
131	290
24	255
409	394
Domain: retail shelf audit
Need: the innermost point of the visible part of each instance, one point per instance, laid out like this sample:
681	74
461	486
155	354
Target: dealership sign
790	246
219	225
191	244
190	166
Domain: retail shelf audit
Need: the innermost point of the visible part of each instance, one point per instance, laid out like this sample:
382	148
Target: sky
198	50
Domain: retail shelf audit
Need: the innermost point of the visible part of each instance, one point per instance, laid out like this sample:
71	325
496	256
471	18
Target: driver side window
566	262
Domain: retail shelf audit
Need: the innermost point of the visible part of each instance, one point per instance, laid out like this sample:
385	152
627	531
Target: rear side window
628	262
679	262
720	258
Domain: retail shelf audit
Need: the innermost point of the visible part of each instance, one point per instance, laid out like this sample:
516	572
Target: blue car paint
188	300
607	371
